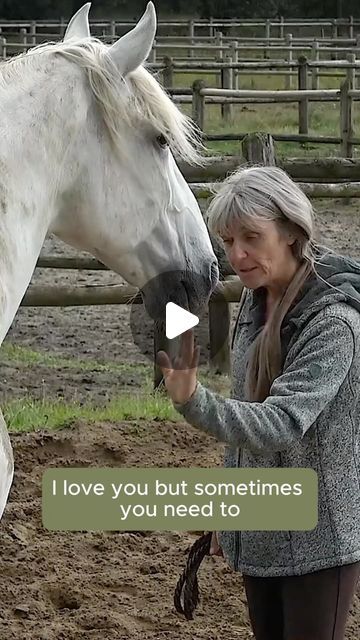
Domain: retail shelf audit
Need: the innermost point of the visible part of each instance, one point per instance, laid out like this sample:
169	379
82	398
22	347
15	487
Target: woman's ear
291	239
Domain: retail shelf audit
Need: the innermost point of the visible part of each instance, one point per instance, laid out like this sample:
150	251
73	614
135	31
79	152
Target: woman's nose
237	252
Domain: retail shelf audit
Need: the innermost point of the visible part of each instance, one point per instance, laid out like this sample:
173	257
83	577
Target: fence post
191	36
334	35
334	30
351	27
23	33
345	120
281	28
267	38
211	28
315	56
350	71
227	77
234	54
303	102
33	32
198	104
218	57
219	43
258	148
113	29
267	34
152	55
288	77
3	48
168	73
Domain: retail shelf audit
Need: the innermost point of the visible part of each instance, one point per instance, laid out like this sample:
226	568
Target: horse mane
138	96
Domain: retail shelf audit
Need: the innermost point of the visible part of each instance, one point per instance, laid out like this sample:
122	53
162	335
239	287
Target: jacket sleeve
321	359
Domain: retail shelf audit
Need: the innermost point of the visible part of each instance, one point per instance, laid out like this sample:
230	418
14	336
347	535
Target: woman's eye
161	140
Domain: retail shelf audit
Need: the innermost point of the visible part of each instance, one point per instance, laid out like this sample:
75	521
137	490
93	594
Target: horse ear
78	27
130	51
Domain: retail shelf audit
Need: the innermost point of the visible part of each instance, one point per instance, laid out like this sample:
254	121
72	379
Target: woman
295	401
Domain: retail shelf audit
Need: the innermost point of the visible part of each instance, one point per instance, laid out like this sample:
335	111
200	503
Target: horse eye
161	140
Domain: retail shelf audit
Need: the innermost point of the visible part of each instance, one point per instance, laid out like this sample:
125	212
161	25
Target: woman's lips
247	270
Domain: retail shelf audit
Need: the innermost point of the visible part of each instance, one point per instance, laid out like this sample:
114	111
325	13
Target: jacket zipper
238	533
239	452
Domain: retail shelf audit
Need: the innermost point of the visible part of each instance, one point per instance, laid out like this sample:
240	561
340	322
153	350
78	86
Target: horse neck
31	161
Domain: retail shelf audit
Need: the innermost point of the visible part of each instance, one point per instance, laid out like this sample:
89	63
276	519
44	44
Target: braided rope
187	586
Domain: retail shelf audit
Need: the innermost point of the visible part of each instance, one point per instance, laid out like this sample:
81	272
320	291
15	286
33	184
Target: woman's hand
180	375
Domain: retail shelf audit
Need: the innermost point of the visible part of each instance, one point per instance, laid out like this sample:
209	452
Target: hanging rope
186	596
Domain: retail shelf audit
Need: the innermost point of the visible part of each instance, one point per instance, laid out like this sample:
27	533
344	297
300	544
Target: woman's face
262	257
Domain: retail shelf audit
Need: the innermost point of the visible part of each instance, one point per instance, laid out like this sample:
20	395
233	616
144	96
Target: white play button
178	320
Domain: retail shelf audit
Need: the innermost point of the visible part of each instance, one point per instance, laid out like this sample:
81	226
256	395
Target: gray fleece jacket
310	419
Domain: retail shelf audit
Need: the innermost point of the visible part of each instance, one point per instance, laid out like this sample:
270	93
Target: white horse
86	141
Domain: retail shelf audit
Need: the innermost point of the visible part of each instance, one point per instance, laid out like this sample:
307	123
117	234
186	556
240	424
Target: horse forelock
139	96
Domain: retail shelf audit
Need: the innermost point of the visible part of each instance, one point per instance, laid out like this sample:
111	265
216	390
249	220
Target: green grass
275	118
324	118
27	413
28	357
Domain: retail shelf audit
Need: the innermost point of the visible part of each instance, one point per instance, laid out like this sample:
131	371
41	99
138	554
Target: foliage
37	9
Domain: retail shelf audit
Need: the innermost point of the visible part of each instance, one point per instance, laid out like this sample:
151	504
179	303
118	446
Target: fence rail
66	296
23	34
193	26
216	50
345	96
336	170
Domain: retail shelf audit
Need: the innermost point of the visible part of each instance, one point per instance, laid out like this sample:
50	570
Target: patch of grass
275	118
28	357
324	118
27	413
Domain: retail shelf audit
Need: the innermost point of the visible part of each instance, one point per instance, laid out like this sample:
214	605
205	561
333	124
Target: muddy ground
105	586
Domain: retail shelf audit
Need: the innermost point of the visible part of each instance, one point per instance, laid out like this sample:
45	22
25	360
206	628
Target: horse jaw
78	27
132	49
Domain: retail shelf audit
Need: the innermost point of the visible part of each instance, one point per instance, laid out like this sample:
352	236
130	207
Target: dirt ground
105	586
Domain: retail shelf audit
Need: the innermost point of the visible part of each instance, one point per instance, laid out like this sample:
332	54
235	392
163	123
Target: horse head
123	197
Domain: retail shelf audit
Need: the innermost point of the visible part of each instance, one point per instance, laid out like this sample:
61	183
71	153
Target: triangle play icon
178	320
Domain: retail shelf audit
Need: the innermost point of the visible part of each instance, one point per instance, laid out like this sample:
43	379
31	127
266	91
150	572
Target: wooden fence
216	49
305	170
201	38
333	28
254	50
256	148
231	68
229	72
200	96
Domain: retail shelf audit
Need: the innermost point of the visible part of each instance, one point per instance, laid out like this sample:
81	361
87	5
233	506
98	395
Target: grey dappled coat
310	419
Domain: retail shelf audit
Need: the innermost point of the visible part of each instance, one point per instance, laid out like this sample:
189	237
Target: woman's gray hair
248	197
254	194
